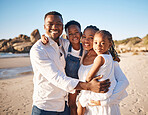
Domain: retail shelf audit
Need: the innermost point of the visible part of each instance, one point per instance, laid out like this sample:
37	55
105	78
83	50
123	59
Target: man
50	82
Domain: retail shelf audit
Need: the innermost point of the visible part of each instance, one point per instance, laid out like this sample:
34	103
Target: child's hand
117	59
44	39
94	103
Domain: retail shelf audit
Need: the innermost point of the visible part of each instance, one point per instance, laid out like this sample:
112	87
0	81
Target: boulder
20	44
23	47
7	49
35	36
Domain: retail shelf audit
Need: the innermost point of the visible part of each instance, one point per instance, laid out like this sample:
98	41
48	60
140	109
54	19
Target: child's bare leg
80	110
72	103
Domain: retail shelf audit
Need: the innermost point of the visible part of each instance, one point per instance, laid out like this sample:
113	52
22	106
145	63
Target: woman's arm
99	61
119	92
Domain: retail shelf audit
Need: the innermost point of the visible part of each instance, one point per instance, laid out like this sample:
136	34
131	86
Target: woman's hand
44	39
94	103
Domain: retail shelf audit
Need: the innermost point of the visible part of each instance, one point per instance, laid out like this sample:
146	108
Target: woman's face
87	38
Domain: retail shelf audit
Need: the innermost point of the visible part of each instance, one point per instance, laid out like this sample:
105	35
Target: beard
54	37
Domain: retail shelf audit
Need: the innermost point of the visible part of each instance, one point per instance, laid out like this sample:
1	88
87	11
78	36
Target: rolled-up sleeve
50	71
119	91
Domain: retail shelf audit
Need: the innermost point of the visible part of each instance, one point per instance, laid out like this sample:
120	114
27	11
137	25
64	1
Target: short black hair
72	22
92	27
53	13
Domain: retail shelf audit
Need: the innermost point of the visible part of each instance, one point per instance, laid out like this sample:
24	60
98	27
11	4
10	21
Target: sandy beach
16	93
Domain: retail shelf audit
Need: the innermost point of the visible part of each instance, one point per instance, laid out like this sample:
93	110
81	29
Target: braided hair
112	50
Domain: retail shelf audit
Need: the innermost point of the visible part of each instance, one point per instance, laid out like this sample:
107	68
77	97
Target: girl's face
87	38
101	44
74	34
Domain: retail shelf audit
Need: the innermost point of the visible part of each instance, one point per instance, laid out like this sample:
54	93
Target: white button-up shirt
50	82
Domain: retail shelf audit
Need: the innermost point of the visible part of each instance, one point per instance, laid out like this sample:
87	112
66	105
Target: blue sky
123	18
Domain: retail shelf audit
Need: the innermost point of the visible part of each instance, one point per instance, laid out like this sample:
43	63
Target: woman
109	106
119	91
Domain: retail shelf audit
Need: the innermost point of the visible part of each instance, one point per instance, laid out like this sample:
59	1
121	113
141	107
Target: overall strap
70	47
81	50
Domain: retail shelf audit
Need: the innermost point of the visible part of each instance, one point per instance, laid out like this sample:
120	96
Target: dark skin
73	35
53	25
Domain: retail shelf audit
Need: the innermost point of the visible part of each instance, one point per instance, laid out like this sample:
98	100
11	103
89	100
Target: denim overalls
73	63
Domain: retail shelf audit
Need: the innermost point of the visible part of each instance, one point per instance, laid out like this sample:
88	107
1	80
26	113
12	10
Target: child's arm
99	61
80	110
44	39
119	92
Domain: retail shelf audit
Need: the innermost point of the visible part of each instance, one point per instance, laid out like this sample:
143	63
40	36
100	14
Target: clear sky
123	18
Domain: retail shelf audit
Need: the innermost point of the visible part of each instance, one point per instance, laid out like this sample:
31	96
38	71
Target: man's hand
94	85
44	39
99	86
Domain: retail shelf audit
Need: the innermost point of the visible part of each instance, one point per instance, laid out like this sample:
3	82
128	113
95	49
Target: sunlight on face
53	26
87	38
73	34
101	44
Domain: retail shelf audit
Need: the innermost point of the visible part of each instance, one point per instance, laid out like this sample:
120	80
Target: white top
50	82
119	91
110	105
107	70
75	53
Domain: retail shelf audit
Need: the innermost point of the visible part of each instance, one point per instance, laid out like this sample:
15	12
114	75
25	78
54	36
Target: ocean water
14	72
7	55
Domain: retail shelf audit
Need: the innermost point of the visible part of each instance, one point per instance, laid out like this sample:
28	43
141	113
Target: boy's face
53	25
100	44
73	34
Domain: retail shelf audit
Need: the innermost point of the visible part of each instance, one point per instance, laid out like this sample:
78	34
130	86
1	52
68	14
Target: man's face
53	25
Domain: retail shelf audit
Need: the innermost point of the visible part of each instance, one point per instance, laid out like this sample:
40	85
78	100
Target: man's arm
50	71
47	68
94	85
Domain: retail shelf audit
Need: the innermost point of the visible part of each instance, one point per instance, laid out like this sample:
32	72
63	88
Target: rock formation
20	44
35	36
